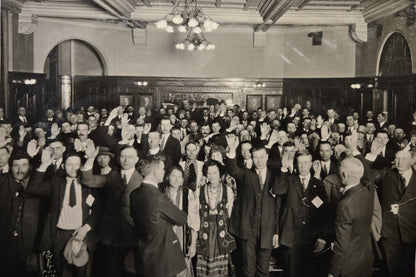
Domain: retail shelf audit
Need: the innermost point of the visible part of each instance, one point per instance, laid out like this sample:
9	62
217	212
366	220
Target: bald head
351	171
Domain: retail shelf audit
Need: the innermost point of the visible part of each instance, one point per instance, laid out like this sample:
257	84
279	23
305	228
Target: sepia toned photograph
207	138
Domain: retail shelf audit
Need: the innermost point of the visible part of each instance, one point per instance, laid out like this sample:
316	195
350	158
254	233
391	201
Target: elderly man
116	234
398	194
353	254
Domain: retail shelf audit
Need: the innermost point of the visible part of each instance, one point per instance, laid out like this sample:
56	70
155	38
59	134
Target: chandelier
191	20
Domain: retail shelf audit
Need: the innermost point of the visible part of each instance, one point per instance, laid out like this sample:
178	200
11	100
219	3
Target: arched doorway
66	60
396	97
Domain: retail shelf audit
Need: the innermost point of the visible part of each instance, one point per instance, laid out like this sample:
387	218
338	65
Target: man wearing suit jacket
115	227
255	216
158	253
353	254
305	223
398	203
328	166
21	118
72	211
150	145
19	214
169	145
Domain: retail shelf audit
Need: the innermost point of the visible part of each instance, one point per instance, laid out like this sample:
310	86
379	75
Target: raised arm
231	163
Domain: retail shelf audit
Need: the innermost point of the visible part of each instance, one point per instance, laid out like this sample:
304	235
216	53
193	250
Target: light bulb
177	19
193	22
145	83
207	24
162	24
197	30
214	25
201	46
182	29
191	47
169	29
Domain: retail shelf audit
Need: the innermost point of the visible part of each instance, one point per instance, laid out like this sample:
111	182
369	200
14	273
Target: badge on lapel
317	202
90	200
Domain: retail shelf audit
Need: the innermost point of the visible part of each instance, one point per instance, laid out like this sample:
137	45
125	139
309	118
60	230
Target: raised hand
325	133
22	132
55	130
32	148
274	137
264	129
376	146
124	119
78	145
46	158
286	163
319	120
114	113
317	169
90	150
147	128
232	142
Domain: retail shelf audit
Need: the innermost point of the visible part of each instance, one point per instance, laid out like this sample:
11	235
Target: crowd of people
209	190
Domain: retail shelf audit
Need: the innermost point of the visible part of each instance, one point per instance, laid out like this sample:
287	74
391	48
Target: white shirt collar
128	173
154	151
349	187
407	175
307	178
150	183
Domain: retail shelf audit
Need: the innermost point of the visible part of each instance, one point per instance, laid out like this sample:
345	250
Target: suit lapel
255	181
62	187
298	186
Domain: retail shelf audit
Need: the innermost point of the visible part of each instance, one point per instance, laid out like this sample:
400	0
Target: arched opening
395	64
395	59
66	60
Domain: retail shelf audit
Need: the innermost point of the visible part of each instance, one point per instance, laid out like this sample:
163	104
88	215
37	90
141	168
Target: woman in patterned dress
214	242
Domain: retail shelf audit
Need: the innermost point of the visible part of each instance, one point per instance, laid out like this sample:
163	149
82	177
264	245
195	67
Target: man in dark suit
305	223
353	254
382	122
158	253
398	204
19	214
21	118
328	166
150	145
72	211
114	232
255	217
169	145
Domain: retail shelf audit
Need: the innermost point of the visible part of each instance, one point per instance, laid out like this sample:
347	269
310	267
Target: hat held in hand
76	252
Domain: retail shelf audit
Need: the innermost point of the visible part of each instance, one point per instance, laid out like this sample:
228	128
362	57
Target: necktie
402	183
163	142
303	182
1	171
191	182
72	195
125	179
261	180
325	169
55	166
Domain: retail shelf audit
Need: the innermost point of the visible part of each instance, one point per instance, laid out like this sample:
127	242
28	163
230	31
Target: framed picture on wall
254	102
273	102
126	100
146	100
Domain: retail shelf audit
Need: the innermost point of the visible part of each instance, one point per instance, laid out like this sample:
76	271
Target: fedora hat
104	150
75	252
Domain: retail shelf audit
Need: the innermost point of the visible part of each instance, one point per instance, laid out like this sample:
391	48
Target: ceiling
260	14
